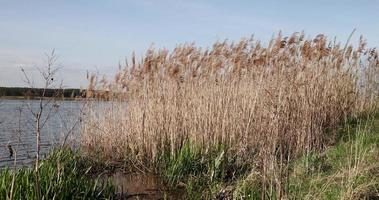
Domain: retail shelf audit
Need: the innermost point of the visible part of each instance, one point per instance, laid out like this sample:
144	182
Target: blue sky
97	35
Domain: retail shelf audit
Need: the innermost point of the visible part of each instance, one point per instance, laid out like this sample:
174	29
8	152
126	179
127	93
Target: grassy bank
61	176
347	170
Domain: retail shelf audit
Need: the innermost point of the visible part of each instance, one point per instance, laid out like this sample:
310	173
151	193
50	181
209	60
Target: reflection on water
17	127
141	186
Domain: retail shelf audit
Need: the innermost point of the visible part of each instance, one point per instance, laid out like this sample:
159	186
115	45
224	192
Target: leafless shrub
48	103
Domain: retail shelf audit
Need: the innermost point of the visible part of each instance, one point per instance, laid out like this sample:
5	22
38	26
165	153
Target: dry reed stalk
267	104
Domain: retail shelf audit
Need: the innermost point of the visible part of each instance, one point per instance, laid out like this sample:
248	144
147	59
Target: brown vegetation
265	103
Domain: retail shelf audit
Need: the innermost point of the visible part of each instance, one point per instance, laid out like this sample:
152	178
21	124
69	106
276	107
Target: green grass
201	174
347	170
61	177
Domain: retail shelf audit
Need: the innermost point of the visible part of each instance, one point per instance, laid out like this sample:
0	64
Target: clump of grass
202	174
247	187
267	105
60	176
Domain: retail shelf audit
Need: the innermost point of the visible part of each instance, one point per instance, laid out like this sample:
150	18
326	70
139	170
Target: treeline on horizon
38	92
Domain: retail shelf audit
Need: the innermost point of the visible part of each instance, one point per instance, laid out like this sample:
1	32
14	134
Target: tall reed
266	103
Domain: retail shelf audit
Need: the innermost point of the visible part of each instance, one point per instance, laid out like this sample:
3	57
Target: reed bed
263	104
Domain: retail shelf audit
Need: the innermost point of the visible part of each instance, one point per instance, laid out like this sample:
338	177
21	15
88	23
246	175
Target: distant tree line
38	92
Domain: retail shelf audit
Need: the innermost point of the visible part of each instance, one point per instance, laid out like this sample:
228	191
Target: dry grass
266	104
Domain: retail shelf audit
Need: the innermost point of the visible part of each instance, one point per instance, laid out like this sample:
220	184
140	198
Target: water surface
17	128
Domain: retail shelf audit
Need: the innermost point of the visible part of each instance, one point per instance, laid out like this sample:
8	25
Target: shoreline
38	98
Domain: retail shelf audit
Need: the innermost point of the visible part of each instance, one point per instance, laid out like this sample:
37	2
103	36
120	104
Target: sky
96	36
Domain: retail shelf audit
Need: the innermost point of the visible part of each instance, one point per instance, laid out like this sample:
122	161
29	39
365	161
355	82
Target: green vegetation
201	174
62	176
347	170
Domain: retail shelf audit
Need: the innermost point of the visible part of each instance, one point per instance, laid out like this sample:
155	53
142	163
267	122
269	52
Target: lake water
17	128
